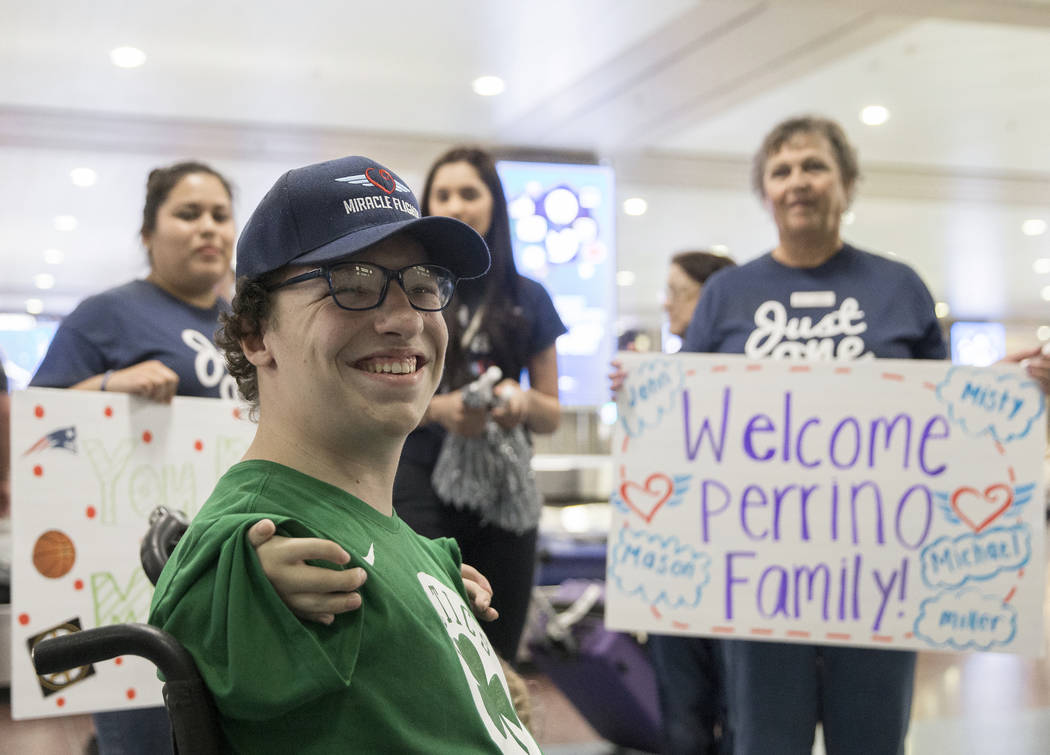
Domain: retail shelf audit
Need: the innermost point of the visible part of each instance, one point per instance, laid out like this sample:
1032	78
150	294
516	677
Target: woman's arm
448	410
544	412
538	408
151	379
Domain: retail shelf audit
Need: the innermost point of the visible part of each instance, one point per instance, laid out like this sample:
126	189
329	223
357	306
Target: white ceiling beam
877	180
1012	12
727	52
39	128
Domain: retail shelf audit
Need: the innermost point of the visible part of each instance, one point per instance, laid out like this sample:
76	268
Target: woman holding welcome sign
153	338
815	297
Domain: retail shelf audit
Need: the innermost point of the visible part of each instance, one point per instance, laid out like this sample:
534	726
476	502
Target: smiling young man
337	338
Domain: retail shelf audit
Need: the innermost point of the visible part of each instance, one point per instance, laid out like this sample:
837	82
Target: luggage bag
607	675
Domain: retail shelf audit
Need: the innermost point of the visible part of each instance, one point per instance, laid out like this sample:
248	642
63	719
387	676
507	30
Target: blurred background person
686	276
689	669
154	338
502	319
806	172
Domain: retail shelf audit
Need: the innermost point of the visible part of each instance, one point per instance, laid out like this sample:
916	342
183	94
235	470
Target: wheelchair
194	718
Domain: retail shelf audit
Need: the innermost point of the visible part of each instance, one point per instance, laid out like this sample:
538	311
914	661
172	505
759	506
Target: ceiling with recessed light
674	94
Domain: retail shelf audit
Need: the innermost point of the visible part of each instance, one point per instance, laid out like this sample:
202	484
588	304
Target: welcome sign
87	470
887	503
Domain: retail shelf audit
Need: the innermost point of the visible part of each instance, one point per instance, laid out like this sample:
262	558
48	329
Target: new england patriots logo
64	437
381	179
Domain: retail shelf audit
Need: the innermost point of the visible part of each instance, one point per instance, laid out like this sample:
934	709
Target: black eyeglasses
363	285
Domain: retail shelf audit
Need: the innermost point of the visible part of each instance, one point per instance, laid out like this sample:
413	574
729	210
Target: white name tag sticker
813	299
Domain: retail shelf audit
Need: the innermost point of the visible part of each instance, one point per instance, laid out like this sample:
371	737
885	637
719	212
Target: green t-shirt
409	672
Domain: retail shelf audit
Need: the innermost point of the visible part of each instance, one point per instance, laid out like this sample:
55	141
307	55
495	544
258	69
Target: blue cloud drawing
649	394
659	570
952	562
966	620
983	402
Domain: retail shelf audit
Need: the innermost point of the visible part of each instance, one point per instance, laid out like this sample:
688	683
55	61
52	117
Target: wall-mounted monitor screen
23	342
562	223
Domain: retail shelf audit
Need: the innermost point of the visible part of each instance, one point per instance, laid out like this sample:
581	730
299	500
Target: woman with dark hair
502	319
154	338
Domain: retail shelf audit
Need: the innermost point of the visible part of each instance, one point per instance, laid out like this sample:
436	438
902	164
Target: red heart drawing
971	505
647	500
384	181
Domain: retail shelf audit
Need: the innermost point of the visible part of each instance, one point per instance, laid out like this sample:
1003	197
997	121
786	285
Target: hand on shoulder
312	593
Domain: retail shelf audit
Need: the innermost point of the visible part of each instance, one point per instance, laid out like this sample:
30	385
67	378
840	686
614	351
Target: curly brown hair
250	310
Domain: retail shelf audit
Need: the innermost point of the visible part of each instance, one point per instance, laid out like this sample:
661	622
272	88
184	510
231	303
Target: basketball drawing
54	554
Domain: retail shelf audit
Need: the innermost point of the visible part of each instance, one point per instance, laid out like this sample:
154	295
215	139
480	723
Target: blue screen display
978	343
22	350
562	219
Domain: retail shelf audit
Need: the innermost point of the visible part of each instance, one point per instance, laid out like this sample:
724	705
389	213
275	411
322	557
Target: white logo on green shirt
481	667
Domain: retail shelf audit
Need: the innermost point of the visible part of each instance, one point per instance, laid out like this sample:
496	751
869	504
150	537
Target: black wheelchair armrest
191	709
102	643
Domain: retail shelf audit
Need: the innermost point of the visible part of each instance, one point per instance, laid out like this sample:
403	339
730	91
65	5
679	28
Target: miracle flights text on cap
330	211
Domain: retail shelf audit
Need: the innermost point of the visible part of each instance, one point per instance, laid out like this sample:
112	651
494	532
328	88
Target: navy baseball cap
330	211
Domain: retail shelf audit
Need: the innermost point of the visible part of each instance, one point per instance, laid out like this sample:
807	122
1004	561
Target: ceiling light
848	217
127	57
635	206
720	249
874	115
83	177
1041	265
1046	293
65	223
1033	227
54	256
34	306
941	309
44	280
625	278
488	86
1043	333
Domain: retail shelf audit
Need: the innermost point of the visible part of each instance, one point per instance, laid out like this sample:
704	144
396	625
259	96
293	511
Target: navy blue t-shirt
857	305
543	326
134	323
